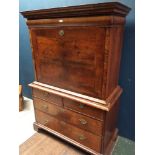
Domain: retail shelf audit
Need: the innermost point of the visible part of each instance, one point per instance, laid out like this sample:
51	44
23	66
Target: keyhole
61	32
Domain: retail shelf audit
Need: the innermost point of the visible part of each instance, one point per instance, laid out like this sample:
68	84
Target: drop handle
61	32
83	122
46	121
82	137
45	107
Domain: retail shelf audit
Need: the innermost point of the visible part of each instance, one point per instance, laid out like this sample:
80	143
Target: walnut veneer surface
76	53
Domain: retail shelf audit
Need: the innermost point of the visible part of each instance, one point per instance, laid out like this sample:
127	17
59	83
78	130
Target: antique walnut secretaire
76	54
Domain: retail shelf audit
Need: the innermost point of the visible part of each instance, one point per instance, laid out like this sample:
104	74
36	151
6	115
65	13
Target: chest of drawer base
73	118
38	126
75	122
81	136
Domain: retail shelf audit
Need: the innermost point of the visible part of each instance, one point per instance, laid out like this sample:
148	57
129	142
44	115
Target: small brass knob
45	107
61	32
82	137
82	121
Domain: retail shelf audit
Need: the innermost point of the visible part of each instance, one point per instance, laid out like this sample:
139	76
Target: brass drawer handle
82	137
81	106
61	32
46	121
45	107
83	122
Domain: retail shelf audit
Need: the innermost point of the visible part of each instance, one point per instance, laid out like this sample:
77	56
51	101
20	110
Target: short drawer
81	121
84	109
47	97
83	137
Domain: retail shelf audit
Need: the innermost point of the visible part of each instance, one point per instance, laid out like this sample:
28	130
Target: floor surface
26	118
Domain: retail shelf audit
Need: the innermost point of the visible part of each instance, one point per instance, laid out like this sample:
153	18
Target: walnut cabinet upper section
78	48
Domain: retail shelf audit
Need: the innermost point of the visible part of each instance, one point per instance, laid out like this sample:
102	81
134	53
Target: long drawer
83	137
55	99
84	109
68	116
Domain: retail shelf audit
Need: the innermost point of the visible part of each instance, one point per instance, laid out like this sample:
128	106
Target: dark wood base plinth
112	143
108	151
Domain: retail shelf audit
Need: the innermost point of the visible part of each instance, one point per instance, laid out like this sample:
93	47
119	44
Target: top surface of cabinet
111	8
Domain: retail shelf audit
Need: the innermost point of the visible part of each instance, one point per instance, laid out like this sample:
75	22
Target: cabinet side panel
114	46
110	125
33	46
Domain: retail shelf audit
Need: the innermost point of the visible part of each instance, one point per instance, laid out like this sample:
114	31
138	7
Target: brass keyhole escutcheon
82	121
45	107
61	32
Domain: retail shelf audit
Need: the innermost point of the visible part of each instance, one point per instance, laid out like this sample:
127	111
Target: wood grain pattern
111	123
81	136
39	127
84	109
113	47
76	119
76	55
112	143
98	61
75	98
47	97
65	59
47	88
100	21
92	102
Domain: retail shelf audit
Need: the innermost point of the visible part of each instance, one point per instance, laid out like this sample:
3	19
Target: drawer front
47	97
73	55
68	116
84	109
81	136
